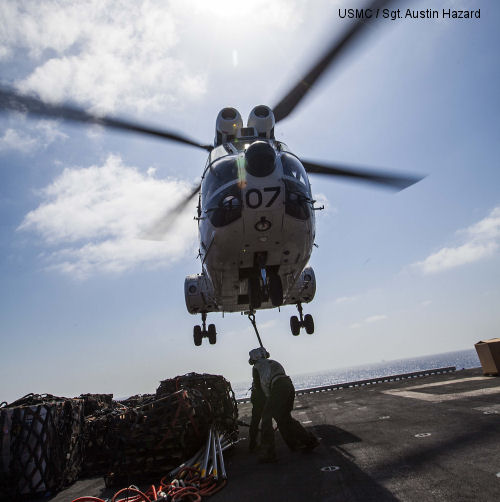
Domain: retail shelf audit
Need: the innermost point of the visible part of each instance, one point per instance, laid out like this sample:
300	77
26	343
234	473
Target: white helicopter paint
256	231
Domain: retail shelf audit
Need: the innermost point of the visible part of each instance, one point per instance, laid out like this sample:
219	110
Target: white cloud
346	299
447	258
368	320
279	14
13	139
322	200
375	318
30	137
92	218
132	55
100	53
488	228
482	240
268	325
48	132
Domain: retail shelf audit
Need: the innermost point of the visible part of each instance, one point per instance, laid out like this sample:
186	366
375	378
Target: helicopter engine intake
227	125
262	119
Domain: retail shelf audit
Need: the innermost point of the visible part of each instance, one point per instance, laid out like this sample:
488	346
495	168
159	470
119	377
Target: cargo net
40	450
145	436
48	441
216	391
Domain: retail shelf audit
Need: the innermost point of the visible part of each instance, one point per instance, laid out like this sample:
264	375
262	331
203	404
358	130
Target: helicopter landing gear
197	336
212	334
202	332
306	322
309	324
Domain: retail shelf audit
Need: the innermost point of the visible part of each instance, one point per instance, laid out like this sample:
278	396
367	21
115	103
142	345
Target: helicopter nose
260	158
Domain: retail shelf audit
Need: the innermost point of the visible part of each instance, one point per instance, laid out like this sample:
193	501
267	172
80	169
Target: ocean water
461	359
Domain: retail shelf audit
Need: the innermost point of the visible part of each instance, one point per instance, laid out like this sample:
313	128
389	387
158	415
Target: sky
86	305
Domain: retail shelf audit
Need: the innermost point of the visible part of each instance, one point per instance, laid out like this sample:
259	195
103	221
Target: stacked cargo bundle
98	439
48	441
95	402
216	391
148	438
40	449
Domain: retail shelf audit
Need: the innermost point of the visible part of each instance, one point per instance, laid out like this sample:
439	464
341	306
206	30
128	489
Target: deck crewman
271	381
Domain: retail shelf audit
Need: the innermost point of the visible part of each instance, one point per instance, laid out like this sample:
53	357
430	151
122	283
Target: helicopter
255	210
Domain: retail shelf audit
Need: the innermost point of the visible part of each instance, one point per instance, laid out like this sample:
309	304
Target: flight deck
427	436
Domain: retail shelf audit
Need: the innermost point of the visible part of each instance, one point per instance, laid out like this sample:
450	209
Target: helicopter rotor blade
165	223
288	103
385	179
11	100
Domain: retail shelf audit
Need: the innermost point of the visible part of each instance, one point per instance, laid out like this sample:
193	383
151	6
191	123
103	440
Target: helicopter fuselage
256	229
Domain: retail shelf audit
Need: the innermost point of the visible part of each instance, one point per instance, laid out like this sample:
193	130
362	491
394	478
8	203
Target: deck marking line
447	382
490	409
438	398
332	468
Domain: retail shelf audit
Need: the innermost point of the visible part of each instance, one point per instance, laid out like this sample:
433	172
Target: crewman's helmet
256	354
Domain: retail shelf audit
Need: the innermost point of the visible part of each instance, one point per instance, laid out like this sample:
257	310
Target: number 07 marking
254	197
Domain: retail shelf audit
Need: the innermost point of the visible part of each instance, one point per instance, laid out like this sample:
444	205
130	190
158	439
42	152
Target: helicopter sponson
199	294
304	289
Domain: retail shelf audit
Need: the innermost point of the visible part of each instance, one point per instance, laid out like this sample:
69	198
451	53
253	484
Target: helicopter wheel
295	325
212	334
197	336
255	292
276	290
309	324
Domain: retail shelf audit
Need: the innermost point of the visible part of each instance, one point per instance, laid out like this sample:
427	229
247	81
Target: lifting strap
251	316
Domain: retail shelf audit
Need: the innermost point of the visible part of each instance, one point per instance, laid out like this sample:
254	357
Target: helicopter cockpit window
218	152
297	190
220	172
293	168
221	192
